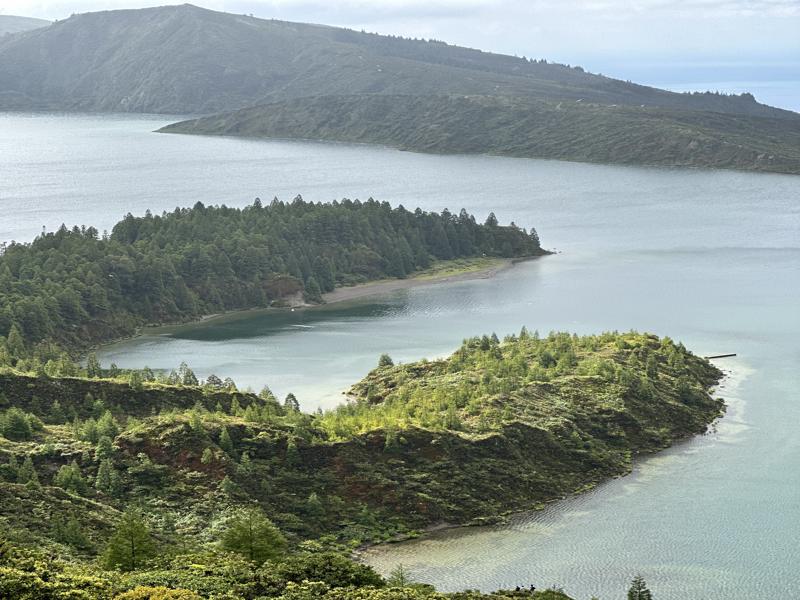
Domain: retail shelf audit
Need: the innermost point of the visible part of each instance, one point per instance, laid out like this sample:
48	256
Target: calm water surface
711	258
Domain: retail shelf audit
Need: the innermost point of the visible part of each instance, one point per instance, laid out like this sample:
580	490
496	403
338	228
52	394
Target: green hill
499	426
184	59
526	127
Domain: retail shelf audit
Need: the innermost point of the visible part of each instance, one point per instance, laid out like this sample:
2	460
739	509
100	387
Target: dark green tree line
75	287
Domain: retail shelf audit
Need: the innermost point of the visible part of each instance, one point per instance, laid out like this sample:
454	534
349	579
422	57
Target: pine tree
57	413
266	394
27	472
228	486
131	544
225	441
214	382
136	382
314	507
107	426
196	421
291	403
15	343
186	376
71	533
245	467
292	454
638	590
10	470
104	448
313	292
108	479
93	368
88	401
69	477
236	408
385	361
399	578
15	425
88	431
251	534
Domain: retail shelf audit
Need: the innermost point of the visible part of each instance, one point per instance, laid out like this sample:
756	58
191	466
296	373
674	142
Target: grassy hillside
11	24
184	59
521	126
499	426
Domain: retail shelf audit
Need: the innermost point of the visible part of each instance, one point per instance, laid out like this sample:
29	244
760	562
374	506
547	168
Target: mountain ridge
189	60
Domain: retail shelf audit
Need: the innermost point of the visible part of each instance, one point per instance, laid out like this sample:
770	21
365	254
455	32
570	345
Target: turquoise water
711	258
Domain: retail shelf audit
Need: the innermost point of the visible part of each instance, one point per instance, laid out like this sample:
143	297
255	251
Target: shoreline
491	267
503	519
383	286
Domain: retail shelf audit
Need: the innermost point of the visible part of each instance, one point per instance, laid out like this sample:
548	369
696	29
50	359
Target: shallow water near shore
710	258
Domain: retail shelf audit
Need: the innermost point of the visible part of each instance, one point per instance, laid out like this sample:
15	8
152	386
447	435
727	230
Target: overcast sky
701	43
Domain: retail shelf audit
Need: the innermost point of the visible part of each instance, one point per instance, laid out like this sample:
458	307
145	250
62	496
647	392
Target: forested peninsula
74	288
115	487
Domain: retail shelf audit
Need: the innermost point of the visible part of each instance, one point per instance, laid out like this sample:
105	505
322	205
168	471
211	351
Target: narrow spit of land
446	271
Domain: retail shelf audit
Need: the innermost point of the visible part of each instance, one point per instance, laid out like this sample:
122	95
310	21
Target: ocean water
708	257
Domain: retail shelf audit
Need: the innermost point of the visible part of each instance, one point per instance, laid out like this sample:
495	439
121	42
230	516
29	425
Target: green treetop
131	544
251	534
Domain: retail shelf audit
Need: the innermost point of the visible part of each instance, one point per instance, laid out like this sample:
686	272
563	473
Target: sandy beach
384	286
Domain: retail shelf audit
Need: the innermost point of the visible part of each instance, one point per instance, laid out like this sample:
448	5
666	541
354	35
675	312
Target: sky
724	45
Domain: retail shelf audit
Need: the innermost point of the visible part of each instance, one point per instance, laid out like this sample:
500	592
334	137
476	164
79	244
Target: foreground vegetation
181	471
74	288
574	129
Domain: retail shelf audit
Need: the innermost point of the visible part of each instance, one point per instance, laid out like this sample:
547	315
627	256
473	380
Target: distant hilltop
185	59
11	24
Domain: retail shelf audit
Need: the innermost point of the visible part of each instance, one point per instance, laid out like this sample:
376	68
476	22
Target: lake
708	257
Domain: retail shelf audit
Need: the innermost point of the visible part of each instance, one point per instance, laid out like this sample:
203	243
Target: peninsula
499	426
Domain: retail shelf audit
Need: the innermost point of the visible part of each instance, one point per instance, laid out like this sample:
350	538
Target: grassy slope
387	465
519	126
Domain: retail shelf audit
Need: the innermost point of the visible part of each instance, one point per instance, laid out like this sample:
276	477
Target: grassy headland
499	426
576	130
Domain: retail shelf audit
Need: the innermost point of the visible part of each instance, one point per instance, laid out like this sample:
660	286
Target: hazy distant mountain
10	24
521	126
184	59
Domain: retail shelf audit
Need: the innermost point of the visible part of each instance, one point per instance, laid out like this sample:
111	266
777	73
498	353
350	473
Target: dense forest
90	466
75	287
